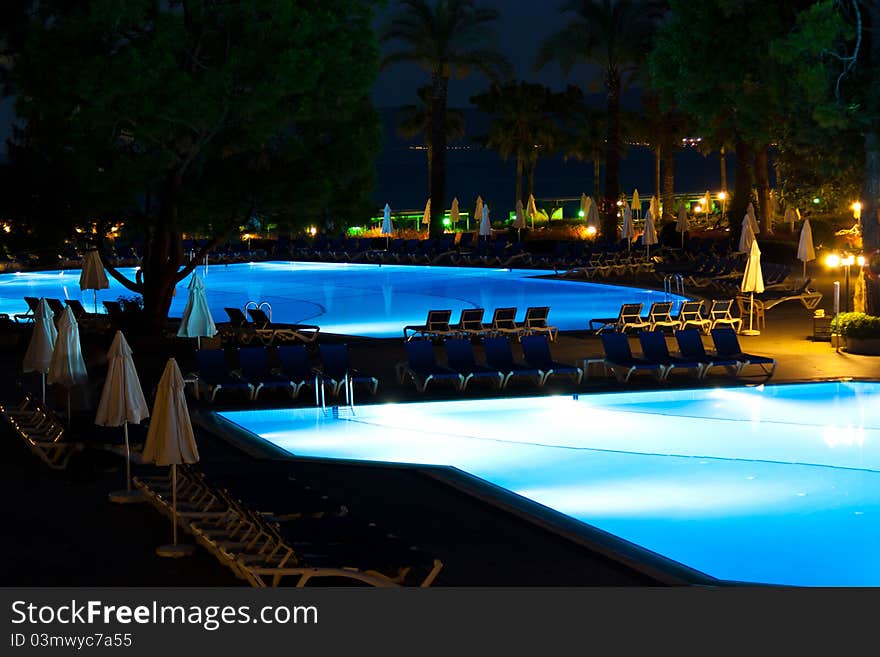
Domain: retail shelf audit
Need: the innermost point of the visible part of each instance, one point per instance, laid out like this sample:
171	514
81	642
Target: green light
581	214
446	221
817	200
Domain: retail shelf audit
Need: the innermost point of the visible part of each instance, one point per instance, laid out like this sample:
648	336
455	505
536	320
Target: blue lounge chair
254	364
436	326
422	368
536	322
460	355
335	365
503	323
500	357
620	360
470	323
536	351
294	360
690	346
727	346
215	374
655	350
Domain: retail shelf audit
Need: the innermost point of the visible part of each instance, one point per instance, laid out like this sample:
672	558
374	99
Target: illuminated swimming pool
769	484
369	300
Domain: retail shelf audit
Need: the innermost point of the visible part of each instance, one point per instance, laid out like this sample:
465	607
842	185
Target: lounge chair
470	323
460	356
660	316
294	364
56	306
254	364
536	322
536	353
690	347
336	366
629	317
752	308
422	368
720	315
810	299
503	323
499	356
239	328
436	326
33	304
620	360
267	332
691	314
216	376
727	346
654	349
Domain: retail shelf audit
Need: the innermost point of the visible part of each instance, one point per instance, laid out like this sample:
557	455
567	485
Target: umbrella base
175	551
126	497
750	332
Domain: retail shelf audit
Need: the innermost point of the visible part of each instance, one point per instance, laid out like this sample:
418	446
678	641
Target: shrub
857	325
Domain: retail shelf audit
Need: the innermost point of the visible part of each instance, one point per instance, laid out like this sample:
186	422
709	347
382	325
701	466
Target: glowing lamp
591	230
722	196
860	261
313	231
832	260
817	200
581	214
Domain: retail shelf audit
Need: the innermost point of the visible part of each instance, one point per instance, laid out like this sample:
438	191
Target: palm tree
585	140
616	35
523	126
416	120
445	38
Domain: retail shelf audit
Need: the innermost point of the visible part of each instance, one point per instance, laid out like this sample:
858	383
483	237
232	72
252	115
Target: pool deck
66	534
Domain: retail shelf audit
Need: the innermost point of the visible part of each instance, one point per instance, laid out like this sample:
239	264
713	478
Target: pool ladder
264	305
321	397
673	284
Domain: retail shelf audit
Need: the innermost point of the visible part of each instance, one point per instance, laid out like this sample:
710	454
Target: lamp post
847	260
722	196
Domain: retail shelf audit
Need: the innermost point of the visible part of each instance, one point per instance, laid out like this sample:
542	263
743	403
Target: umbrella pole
68	408
751	308
805	270
127	460
43	376
174	503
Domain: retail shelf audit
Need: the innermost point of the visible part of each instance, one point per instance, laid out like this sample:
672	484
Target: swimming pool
368	300
770	484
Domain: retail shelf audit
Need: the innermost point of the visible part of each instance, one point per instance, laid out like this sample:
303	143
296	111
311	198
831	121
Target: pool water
767	484
367	300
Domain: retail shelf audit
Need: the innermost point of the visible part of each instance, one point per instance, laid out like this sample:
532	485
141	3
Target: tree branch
115	273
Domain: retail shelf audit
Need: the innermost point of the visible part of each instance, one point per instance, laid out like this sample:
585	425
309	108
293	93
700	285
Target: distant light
722	196
619	203
861	261
581	214
446	221
591	230
698	208
313	231
857	210
817	200
848	260
7	228
832	260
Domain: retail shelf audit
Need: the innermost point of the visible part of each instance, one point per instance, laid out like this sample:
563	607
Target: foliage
193	116
857	325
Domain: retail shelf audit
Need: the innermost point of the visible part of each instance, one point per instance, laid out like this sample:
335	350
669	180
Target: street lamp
722	196
847	260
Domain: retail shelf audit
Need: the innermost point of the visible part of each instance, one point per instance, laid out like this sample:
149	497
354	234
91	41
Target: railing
673	284
264	305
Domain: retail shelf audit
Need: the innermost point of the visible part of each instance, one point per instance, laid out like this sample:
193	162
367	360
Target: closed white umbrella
38	356
649	237
92	276
386	224
790	218
478	213
197	321
753	219
485	226
707	203
520	222
681	224
626	231
805	251
532	210
170	441
454	213
67	366
746	235
122	401
426	215
654	208
592	213
636	204
752	281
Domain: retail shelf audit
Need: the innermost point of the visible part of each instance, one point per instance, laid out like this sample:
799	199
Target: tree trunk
762	182
612	156
530	173
658	160
519	178
430	158
743	190
871	177
597	170
438	156
723	162
669	211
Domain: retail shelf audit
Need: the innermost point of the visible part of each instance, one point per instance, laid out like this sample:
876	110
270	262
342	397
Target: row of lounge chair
313	540
470	324
292	370
659	317
41	432
260	328
57	308
659	362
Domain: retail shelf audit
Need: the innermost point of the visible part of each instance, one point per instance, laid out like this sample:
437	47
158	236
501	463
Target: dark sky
523	24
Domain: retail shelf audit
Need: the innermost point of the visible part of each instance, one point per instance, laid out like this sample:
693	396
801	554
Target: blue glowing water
369	300
771	484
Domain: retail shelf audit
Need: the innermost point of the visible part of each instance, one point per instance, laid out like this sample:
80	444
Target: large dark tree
447	38
185	115
615	35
